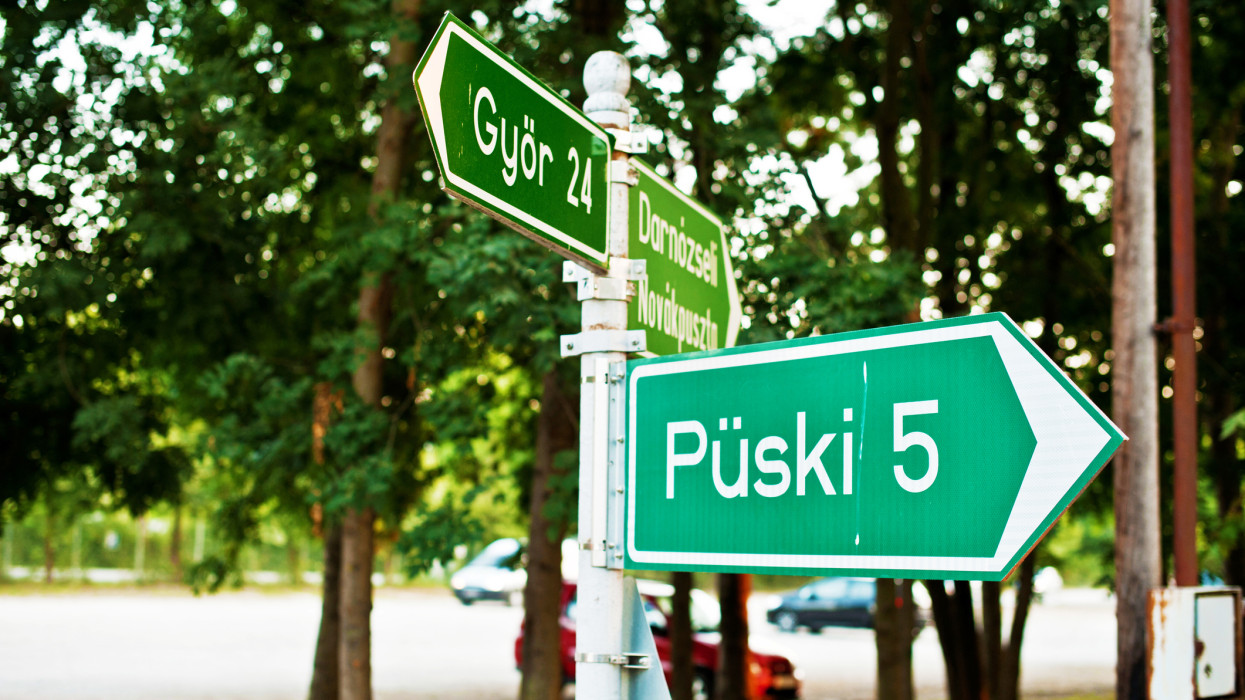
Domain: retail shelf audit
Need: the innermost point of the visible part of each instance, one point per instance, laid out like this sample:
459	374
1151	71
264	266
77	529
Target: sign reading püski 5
689	301
512	147
932	450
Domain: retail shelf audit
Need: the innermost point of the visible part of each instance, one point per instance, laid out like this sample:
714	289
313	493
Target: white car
496	573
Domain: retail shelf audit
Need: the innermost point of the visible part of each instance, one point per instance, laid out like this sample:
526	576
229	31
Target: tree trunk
6	558
965	624
897	216
682	672
375	301
1134	312
940	604
293	562
49	548
992	635
732	675
1009	663
957	635
140	548
892	623
356	605
75	552
894	619
542	661
200	540
325	683
175	542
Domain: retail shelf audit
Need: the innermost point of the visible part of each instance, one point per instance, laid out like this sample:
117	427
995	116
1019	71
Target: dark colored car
837	602
773	675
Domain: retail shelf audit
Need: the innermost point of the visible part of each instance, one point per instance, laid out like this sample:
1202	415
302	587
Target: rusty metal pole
1184	379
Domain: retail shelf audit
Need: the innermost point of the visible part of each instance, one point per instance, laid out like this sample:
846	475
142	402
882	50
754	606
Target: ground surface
169	645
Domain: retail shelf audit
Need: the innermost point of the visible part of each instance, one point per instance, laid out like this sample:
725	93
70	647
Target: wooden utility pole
1134	312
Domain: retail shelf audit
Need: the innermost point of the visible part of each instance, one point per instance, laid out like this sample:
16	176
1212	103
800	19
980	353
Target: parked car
837	602
773	675
496	573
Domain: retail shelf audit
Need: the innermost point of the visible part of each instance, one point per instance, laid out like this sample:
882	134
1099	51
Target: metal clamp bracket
603	341
622	171
590	286
634	141
628	268
633	660
615	504
619	285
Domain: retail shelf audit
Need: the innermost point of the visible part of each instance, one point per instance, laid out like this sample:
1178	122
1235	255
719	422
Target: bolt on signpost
939	450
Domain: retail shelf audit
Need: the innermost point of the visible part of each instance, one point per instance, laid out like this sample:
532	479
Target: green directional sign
934	450
689	301
512	147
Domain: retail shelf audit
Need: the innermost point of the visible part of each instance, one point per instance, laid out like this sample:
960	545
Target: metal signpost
510	146
935	450
689	301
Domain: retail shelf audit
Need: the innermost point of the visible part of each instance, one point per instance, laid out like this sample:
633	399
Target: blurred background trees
194	206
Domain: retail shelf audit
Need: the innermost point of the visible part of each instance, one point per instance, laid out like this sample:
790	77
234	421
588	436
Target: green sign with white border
935	450
512	147
689	300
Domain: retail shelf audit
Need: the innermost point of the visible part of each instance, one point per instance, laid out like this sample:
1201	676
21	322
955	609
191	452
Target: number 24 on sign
525	155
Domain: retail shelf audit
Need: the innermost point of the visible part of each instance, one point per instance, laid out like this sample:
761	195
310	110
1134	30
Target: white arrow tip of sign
1068	440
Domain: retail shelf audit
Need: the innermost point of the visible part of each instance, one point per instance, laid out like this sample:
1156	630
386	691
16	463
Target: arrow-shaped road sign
689	300
934	450
512	147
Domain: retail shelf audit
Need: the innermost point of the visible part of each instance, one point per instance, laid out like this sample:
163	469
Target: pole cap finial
607	78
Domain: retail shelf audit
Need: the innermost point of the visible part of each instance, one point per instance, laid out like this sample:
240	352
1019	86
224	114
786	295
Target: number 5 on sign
585	190
915	439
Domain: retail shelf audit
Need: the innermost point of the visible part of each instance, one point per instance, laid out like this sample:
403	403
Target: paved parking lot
169	645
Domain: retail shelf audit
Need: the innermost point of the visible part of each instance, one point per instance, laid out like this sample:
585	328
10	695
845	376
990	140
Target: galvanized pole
599	610
1184	349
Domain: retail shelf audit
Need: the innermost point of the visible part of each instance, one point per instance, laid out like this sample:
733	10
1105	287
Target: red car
772	675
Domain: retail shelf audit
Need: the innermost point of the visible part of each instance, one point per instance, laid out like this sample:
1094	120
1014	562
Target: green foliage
439	529
1081	547
1233	426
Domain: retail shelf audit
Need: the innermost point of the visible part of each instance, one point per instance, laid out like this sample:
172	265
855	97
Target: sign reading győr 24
512	147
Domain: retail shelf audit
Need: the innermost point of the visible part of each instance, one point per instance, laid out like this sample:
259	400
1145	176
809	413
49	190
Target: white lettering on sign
772	443
674	459
666	315
776	474
915	439
811	461
670	240
776	471
522	154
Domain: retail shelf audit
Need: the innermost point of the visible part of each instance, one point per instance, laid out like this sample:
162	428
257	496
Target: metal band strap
637	661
